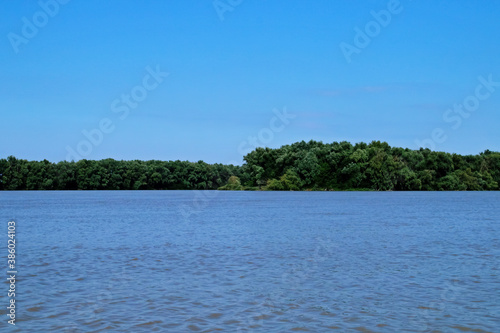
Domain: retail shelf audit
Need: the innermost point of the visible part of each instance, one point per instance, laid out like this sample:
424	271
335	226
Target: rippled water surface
185	261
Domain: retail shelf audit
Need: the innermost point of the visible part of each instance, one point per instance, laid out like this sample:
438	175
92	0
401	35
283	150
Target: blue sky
233	66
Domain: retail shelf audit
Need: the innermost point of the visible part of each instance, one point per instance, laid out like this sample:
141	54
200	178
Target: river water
208	261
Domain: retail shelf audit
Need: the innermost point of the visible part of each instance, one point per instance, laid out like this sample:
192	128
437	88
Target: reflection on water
255	262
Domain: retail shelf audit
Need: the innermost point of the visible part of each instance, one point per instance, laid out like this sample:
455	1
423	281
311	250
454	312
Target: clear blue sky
226	76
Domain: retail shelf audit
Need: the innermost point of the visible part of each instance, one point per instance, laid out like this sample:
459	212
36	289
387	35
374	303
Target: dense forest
300	166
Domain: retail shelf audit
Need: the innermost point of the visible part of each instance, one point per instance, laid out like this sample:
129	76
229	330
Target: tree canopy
300	166
373	166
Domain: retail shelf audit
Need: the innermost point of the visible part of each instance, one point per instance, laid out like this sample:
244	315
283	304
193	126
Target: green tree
233	184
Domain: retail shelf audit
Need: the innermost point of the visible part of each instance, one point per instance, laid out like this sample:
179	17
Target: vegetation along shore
300	166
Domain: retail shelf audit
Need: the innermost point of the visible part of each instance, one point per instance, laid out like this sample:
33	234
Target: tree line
303	165
110	174
375	166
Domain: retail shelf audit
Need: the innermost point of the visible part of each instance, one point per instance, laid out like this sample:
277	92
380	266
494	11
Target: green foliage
375	166
290	181
233	184
110	174
275	185
299	166
451	183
